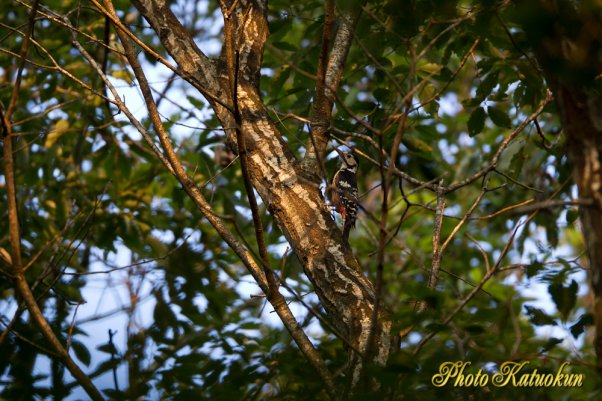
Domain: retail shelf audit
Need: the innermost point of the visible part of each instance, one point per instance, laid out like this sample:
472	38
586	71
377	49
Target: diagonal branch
296	203
489	273
493	163
233	61
275	298
328	78
17	272
197	70
322	107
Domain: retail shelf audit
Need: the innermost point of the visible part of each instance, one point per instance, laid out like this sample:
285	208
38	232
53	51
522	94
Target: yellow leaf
55	133
94	100
50	204
123	75
430	68
427	93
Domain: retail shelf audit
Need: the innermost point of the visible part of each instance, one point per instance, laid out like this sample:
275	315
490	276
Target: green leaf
551	231
551	343
108	348
565	298
538	317
487	85
81	352
471	102
499	117
403	362
416	144
476	121
428	99
382	94
517	161
285	46
198	103
533	269
572	215
427	131
106	366
437	327
587	319
475	329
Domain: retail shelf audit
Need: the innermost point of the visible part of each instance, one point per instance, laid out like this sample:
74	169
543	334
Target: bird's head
349	161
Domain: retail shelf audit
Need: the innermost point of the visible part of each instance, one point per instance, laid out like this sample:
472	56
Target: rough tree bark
581	113
567	42
288	190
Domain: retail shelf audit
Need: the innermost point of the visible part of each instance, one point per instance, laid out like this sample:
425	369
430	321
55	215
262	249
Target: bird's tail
347	226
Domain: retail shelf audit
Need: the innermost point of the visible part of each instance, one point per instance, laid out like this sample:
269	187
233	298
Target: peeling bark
295	202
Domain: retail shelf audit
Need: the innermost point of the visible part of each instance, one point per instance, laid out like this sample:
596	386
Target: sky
107	292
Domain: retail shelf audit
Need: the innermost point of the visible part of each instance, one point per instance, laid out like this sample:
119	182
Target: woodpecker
344	191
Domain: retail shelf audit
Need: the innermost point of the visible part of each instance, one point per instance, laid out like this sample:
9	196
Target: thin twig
509	178
452	78
113	358
505	209
488	275
71	327
483	253
34	344
396	171
464	218
437	247
492	164
551	204
176	168
322	105
476	289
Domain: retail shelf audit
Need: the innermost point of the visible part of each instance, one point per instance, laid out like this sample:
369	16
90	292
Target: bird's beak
339	152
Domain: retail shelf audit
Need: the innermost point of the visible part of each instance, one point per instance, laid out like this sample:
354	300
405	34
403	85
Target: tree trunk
567	41
581	113
289	192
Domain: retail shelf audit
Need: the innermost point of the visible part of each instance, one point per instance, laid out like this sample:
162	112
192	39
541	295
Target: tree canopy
166	229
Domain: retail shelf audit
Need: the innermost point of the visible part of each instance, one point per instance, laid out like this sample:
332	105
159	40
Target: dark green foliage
476	122
188	323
